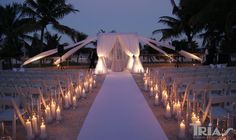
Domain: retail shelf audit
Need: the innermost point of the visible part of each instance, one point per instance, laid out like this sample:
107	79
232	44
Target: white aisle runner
120	112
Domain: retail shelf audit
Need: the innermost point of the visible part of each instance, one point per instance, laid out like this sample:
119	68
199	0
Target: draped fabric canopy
129	43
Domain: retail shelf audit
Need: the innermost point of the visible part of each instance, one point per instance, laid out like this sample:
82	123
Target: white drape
182	52
146	41
105	44
129	44
72	51
49	52
189	55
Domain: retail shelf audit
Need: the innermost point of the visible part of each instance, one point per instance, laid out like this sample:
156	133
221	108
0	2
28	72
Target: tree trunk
41	40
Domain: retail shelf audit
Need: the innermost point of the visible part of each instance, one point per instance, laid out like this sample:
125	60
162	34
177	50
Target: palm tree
78	37
178	25
218	19
49	12
13	31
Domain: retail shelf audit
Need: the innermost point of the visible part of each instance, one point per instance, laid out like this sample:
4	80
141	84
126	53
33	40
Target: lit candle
69	98
80	90
145	85
35	124
58	113
86	86
174	107
156	88
156	99
164	97
194	118
151	91
178	106
53	109
150	83
48	114
77	91
168	113
90	87
198	122
29	131
94	83
74	102
182	129
66	100
83	93
43	133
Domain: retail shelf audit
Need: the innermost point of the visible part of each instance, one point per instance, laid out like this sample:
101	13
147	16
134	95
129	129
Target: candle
35	124
83	93
94	83
150	83
74	102
151	91
66	99
48	114
174	107
156	88
156	99
145	85
194	118
80	90
198	122
145	74
168	113
164	97
90	87
43	133
182	129
29	131
86	86
58	113
178	106
53	109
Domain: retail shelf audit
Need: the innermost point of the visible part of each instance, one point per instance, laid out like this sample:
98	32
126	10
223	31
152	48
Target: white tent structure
114	44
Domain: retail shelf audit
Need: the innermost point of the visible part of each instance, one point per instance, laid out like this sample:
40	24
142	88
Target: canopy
106	42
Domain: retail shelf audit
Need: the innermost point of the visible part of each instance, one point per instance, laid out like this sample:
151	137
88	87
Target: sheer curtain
116	44
130	44
118	58
105	44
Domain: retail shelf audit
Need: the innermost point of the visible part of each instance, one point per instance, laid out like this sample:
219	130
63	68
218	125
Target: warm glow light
194	118
182	129
168	114
100	68
137	66
130	63
198	122
43	134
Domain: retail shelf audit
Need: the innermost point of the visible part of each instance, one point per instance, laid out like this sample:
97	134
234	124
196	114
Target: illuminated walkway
120	112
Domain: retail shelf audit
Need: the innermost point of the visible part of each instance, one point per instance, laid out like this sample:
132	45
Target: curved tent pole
49	52
181	52
146	41
72	51
161	44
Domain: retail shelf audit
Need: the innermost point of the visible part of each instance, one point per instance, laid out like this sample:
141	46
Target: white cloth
120	112
129	44
72	51
50	52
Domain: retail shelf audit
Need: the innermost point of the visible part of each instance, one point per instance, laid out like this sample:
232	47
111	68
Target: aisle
120	112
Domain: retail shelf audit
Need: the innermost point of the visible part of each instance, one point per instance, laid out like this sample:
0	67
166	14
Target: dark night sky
139	16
